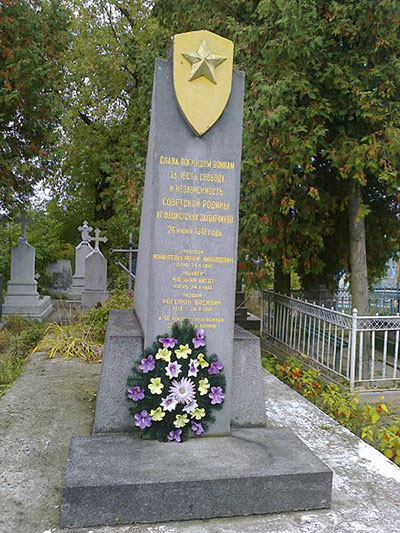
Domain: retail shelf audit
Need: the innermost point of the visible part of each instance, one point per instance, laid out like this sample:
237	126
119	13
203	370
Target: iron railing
381	301
362	351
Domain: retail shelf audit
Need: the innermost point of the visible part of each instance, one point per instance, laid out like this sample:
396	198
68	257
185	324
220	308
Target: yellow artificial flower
202	362
156	386
204	385
198	413
164	354
180	421
157	414
183	352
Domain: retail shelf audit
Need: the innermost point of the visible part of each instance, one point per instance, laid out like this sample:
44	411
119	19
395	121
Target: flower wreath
174	386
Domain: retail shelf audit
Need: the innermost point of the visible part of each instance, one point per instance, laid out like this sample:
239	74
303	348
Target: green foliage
107	99
373	423
96	319
33	37
47	233
17	338
321	112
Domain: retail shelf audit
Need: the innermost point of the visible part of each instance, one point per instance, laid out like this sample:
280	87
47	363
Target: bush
373	423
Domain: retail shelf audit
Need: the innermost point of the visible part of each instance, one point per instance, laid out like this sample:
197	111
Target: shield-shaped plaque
203	63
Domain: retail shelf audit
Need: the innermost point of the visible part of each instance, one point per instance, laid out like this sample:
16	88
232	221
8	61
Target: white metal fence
381	301
360	350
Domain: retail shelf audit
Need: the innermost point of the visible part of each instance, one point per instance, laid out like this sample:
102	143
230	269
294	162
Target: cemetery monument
187	270
61	277
95	288
22	295
81	252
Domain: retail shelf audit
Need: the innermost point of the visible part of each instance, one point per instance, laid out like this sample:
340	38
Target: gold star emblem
203	62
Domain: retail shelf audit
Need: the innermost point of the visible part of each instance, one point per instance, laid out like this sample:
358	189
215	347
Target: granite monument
187	269
83	249
95	288
22	295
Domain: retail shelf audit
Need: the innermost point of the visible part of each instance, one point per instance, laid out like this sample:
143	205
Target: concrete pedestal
114	475
39	310
119	478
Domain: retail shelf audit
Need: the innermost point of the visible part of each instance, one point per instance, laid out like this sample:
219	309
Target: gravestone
186	269
81	252
22	295
188	231
61	277
95	289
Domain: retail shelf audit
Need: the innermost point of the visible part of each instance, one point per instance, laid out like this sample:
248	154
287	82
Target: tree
321	131
107	99
33	38
321	126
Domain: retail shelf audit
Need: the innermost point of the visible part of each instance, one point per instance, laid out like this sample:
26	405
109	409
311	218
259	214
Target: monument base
40	311
114	477
121	479
90	298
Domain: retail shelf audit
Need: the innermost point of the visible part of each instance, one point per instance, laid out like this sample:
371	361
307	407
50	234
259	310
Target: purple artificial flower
136	393
193	367
197	428
199	339
175	435
216	367
190	406
168	342
173	369
147	364
169	403
143	420
216	395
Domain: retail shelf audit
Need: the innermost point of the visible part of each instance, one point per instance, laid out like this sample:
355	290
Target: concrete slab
254	471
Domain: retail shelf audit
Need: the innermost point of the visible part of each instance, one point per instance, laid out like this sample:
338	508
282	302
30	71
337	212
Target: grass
17	339
83	336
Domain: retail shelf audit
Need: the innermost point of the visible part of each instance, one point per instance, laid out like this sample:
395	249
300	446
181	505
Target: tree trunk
358	266
358	254
281	280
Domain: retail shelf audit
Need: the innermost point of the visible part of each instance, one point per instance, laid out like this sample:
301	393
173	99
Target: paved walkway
51	401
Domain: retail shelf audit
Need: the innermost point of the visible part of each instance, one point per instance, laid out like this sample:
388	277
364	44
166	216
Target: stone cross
85	229
97	239
24	221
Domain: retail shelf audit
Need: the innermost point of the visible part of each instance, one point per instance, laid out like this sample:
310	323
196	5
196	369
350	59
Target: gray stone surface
186	269
247	392
49	402
61	276
95	279
22	295
78	280
35	430
254	471
124	343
